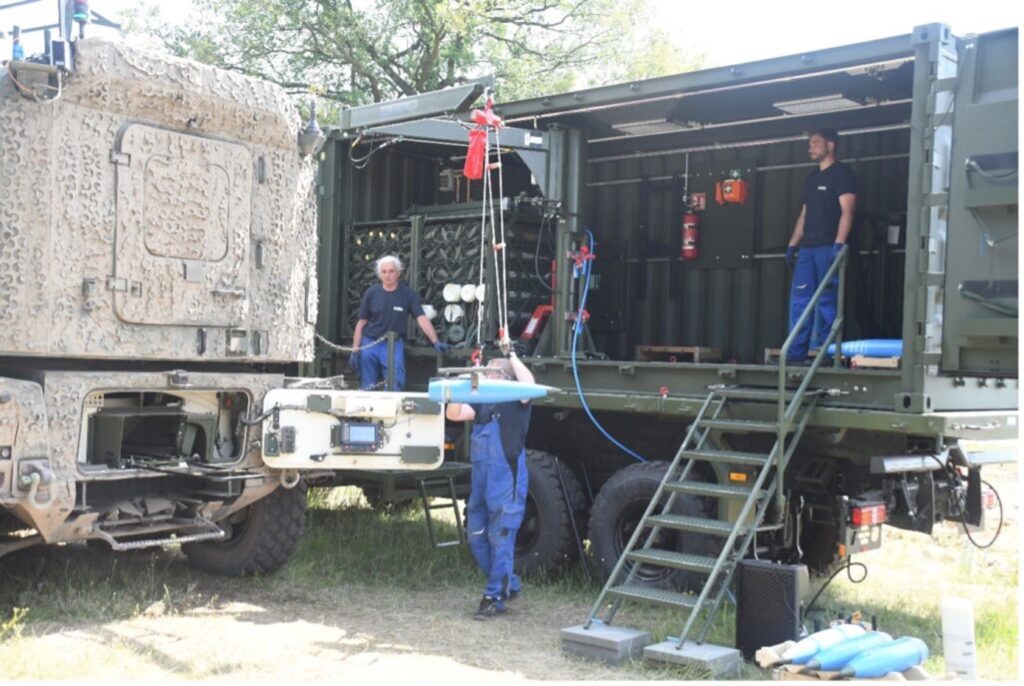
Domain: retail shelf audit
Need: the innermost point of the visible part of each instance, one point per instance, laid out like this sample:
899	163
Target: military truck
157	290
678	360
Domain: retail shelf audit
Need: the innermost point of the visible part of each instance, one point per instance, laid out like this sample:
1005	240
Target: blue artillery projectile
836	657
461	390
897	656
871	347
808	647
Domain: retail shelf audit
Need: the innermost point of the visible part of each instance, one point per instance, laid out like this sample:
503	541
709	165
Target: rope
497	238
347	349
501	224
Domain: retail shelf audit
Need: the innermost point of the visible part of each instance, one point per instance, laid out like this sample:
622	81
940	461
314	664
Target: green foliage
383	49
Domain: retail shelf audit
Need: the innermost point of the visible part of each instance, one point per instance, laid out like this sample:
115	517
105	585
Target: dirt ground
358	634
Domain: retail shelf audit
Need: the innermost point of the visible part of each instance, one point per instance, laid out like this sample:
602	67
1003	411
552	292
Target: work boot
490	608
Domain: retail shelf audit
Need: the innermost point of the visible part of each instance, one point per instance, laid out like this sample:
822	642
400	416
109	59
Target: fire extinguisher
691	234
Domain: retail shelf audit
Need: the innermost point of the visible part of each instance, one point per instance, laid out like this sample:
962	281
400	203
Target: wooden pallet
771	355
677	353
874	362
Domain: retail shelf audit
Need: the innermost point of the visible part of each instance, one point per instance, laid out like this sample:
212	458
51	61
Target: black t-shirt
388	310
513	423
821	198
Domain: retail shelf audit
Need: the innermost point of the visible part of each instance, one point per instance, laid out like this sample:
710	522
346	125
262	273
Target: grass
353	561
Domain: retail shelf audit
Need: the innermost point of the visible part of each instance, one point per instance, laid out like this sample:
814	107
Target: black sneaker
490	608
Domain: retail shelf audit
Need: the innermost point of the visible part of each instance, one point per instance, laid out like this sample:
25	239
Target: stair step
699	524
726	456
653	595
713	490
676	560
742	425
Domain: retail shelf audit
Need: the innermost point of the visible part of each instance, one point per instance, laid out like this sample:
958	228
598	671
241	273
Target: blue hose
575	370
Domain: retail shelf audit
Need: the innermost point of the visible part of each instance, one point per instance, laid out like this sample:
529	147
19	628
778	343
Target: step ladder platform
711	490
720	661
673	559
603	642
698	524
743	426
653	596
726	456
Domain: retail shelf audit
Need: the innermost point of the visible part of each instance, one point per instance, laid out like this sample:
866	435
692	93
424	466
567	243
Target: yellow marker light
739	477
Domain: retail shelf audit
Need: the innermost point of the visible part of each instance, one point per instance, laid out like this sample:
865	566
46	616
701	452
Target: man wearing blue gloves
829	198
386	307
497	495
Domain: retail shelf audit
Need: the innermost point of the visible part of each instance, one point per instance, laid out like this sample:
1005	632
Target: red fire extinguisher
691	233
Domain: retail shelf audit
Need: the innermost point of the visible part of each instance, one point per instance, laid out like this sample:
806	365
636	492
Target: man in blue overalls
497	496
386	307
829	199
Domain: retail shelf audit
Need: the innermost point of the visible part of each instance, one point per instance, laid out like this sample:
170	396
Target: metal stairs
793	410
716	414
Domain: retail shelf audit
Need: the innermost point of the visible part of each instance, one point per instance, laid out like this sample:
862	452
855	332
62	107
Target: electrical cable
536	253
952	475
575	367
972	165
850	564
362	162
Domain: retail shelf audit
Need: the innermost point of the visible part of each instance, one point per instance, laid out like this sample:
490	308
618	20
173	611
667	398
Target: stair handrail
786	413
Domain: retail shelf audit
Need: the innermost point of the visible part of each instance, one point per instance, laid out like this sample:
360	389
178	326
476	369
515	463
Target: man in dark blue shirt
829	199
497	494
386	307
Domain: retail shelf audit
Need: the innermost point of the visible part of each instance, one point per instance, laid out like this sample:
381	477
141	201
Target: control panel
334	429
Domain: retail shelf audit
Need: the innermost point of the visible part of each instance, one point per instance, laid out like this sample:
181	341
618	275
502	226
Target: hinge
120	158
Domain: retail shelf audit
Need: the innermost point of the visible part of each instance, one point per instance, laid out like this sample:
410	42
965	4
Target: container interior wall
388	185
735	295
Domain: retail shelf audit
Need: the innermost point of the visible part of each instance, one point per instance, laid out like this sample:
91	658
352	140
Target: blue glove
791	255
442	347
353	361
836	247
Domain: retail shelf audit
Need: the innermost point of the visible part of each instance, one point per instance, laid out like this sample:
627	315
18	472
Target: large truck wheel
617	511
261	537
546	543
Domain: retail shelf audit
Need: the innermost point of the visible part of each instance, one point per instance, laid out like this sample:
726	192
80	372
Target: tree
373	50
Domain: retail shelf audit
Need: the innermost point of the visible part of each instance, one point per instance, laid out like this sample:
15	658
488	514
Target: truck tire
260	541
617	510
546	544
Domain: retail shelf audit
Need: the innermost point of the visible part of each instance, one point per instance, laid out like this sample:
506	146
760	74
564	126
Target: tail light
866	515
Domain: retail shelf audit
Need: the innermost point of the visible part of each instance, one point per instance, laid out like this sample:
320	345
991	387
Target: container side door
980	306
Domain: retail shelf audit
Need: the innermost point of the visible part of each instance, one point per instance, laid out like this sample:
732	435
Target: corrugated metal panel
741	310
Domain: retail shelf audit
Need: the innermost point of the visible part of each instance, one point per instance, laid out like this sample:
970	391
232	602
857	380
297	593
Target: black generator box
769	608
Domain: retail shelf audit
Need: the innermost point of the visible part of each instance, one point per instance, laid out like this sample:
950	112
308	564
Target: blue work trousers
497	501
811	265
373	365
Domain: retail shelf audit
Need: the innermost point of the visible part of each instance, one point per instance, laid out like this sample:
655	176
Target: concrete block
612	644
719	660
